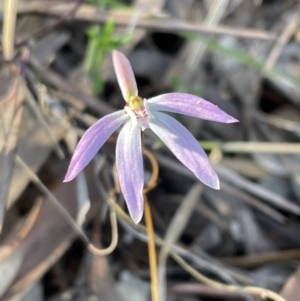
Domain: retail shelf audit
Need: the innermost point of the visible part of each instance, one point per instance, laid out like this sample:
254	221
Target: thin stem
114	230
62	210
151	251
152	182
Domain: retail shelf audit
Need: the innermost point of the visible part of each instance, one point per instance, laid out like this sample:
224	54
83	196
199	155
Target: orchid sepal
190	105
185	147
125	76
92	141
129	163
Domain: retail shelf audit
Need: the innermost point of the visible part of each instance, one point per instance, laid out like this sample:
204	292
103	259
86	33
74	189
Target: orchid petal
191	105
124	75
185	147
130	169
92	140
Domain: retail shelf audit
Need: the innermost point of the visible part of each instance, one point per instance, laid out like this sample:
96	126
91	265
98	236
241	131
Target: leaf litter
240	243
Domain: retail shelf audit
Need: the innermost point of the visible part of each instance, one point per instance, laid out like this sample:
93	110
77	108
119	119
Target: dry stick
198	49
263	258
289	30
61	209
261	147
254	202
235	179
254	147
44	31
279	122
93	14
203	290
10	119
9	24
259	191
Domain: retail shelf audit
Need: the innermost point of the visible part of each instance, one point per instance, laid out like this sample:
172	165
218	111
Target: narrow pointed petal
130	169
92	140
191	105
124	75
185	147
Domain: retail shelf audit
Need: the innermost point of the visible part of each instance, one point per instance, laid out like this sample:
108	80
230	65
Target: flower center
137	110
135	102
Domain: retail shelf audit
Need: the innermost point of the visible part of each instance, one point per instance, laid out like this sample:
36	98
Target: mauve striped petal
191	105
130	169
92	140
124	75
185	147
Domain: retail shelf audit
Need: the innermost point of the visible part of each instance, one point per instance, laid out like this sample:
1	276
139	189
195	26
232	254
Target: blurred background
56	80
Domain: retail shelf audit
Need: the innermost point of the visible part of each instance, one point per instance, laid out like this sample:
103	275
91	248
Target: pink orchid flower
140	114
